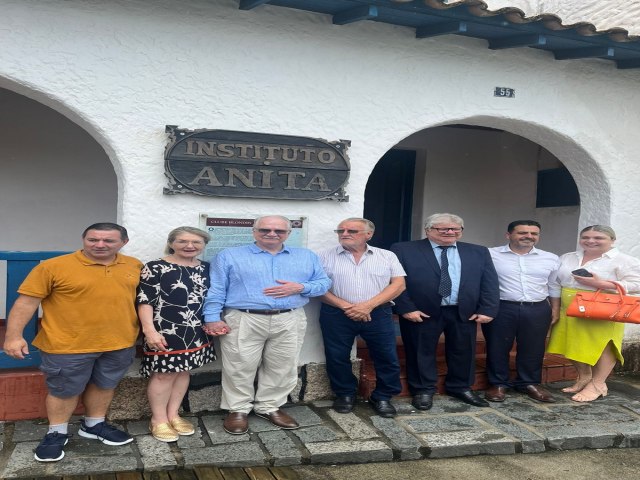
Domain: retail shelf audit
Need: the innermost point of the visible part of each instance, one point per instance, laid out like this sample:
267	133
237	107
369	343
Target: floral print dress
176	293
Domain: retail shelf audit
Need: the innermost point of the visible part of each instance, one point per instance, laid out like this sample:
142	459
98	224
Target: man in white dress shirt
529	300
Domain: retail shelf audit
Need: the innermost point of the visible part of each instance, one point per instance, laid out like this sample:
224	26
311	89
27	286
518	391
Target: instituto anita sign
225	163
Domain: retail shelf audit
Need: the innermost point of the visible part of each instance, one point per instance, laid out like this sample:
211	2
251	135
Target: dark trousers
339	332
420	344
527	325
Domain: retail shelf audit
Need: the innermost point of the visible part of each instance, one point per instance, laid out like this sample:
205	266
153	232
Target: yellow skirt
583	339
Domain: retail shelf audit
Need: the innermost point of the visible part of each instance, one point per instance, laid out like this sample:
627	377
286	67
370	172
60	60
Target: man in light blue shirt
255	305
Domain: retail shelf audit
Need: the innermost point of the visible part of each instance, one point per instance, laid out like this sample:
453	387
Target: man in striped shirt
365	281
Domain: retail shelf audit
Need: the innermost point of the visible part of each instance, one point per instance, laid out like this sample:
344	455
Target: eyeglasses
265	231
340	231
187	242
445	230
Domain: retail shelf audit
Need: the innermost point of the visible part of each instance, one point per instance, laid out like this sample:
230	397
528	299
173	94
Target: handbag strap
621	291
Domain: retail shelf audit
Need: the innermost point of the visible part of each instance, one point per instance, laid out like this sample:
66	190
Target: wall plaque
228	230
226	163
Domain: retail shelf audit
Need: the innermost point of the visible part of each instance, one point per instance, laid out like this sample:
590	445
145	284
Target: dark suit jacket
479	291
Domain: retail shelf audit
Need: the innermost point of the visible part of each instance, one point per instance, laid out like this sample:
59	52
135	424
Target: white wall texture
122	70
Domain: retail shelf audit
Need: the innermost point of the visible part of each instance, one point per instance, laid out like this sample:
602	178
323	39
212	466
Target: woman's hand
155	341
595	282
215	329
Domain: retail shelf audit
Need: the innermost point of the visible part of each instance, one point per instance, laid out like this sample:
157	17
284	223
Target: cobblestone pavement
450	429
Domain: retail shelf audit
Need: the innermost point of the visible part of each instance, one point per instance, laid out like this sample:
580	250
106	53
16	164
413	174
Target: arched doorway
56	179
488	176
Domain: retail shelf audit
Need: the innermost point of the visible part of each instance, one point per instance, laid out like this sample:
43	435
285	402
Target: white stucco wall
122	70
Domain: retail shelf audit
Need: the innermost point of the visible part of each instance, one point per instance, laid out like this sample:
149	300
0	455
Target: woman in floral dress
170	300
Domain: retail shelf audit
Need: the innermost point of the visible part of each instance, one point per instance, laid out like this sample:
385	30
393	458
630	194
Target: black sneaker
107	434
50	448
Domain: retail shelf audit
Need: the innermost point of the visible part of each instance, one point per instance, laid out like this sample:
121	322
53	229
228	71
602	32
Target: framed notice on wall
229	230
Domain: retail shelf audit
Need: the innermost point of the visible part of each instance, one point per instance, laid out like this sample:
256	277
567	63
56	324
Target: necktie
444	290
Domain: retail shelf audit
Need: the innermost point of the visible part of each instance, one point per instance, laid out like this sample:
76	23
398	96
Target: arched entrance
488	175
56	179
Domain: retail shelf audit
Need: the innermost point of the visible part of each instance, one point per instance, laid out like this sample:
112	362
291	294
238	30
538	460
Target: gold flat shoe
164	432
182	426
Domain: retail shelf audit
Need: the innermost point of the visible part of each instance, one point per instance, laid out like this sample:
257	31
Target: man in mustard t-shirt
89	328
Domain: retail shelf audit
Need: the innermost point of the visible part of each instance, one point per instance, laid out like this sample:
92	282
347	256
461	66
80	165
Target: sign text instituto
244	164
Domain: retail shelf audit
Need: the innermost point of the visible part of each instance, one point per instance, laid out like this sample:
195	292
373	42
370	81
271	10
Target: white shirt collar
507	249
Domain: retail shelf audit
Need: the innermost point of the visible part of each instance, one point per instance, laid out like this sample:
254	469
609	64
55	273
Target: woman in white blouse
593	345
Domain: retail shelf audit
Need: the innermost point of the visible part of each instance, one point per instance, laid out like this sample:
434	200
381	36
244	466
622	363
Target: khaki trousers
268	345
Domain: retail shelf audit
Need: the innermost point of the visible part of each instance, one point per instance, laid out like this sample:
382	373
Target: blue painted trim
586	52
357	14
494	28
444	28
30	361
30	255
250	4
526	40
632	63
19	264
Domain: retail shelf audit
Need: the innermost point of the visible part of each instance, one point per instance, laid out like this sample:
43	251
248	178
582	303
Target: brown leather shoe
495	393
236	423
280	419
536	392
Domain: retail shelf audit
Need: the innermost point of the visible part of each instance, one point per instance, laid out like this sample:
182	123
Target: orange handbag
601	305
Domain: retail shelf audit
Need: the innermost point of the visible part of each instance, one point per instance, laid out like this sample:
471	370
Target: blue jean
339	332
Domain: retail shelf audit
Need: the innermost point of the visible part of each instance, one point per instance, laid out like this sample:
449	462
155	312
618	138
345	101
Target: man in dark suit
451	287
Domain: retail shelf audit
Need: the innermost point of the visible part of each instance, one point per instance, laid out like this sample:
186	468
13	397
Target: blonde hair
173	234
600	228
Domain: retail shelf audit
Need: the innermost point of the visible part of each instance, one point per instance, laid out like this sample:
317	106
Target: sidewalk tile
451	423
316	434
466	443
407	445
155	455
281	448
242	454
530	441
571	437
354	427
349	451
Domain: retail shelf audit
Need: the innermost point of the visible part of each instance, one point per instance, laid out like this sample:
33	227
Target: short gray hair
173	234
259	219
607	230
442	218
370	225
